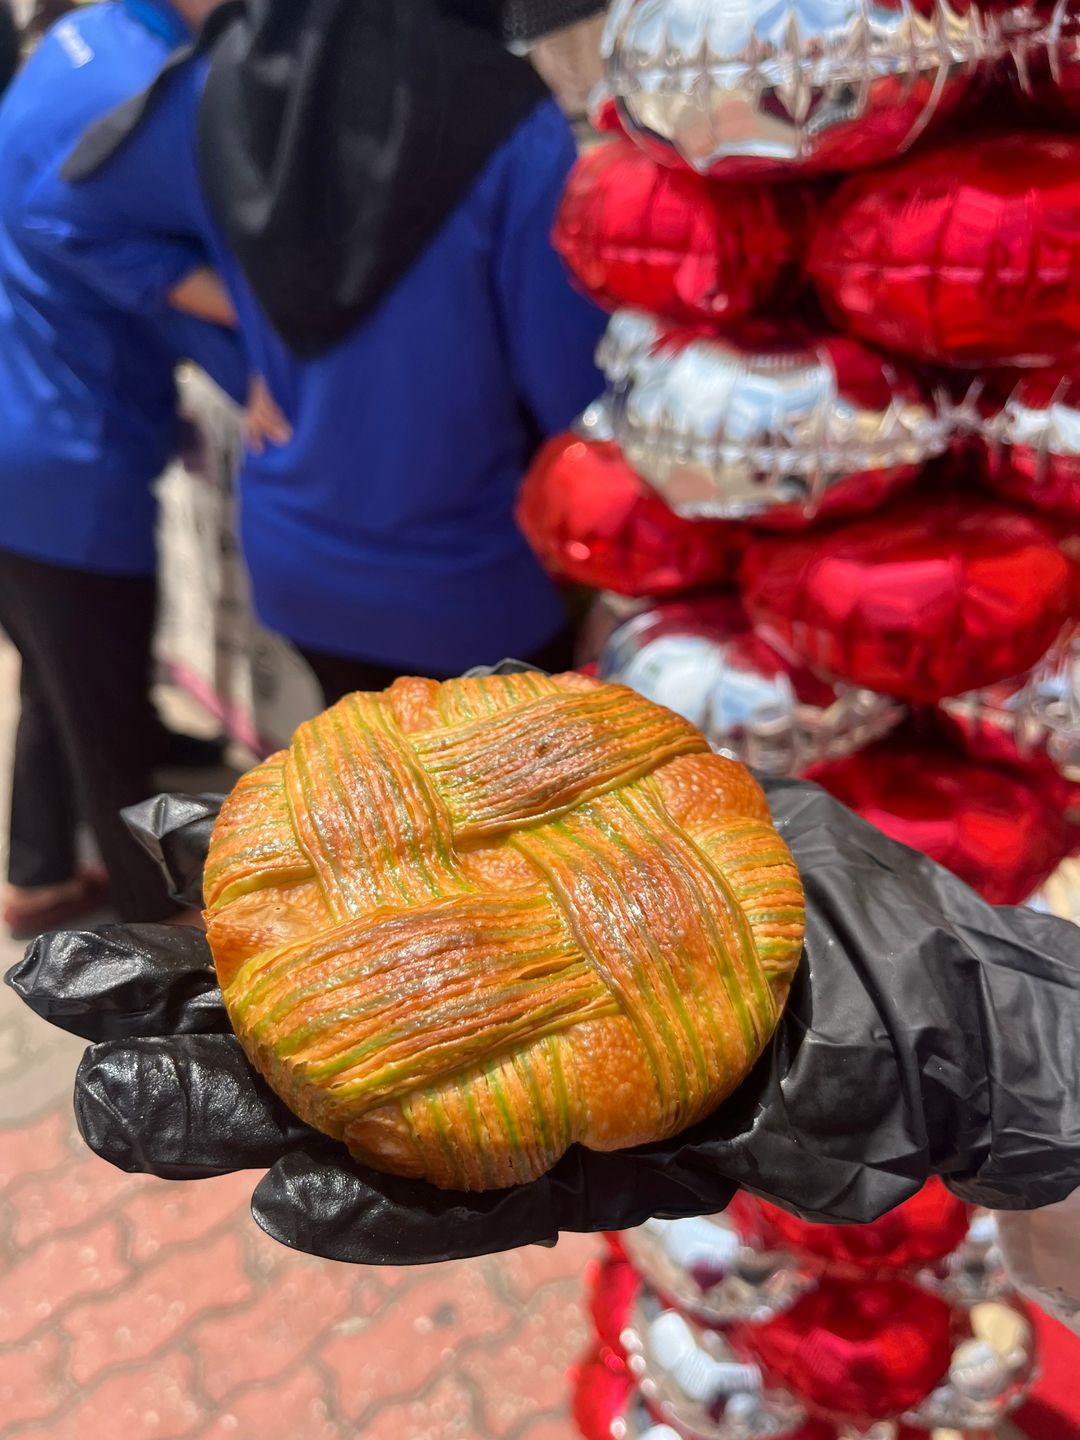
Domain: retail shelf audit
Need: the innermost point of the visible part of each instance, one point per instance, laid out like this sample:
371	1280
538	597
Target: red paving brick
295	1407
152	1402
524	1270
519	1378
49	1205
159	1305
161	1215
31	1380
42	1283
411	1341
549	1427
267	1338
34	1148
444	1412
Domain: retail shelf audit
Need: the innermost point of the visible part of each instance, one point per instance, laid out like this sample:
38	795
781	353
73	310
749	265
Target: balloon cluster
756	1326
832	486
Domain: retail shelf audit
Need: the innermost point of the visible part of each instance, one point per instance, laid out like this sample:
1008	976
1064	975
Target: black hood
336	138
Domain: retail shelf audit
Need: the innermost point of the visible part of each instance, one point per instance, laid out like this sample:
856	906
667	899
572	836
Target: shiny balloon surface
966	253
775	429
745	88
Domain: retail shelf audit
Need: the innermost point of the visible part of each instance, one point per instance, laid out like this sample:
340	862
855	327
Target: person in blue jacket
87	423
376	185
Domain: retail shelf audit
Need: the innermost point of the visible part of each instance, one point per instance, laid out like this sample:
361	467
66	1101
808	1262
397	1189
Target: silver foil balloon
641	1425
705	1266
702	659
1039	714
637	1422
628	342
771	428
989	1374
605	615
975	1272
1028	435
755	88
1061	894
691	1377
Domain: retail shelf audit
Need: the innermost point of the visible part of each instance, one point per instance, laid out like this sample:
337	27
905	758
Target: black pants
338	676
88	734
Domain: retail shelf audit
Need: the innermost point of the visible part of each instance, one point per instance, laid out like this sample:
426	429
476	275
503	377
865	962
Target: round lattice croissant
461	926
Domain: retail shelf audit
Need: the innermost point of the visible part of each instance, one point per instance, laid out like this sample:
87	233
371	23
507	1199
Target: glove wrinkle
122	981
331	1207
175	831
182	1108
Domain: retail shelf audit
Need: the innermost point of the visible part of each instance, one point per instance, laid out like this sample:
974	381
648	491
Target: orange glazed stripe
632	890
373	826
536	761
255	848
366	1016
736	964
462	701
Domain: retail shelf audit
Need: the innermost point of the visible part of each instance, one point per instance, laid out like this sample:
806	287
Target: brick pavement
153	1311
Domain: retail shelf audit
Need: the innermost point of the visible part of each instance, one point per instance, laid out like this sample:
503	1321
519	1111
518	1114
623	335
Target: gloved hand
926	1033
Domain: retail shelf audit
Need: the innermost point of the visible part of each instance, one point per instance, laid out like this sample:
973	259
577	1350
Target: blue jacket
87	394
385	530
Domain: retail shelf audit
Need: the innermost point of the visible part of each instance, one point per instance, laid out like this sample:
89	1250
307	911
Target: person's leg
89	639
339	676
557	655
41	849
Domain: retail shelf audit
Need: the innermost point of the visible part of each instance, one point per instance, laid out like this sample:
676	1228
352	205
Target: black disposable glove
926	1033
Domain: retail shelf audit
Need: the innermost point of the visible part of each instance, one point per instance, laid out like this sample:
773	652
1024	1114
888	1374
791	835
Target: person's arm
550	330
202	295
264	423
135	231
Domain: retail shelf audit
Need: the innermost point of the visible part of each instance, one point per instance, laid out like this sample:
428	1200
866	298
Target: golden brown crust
462	926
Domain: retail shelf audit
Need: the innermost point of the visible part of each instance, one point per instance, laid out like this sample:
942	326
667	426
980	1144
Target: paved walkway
138	1309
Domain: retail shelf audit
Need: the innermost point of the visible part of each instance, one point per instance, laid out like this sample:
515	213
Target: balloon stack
829	499
755	1326
828	502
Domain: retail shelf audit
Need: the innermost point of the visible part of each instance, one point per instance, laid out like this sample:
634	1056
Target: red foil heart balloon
920	601
603	1396
612	1287
859	1353
931	1225
635	233
604	112
967	254
1000	832
1028	429
593	522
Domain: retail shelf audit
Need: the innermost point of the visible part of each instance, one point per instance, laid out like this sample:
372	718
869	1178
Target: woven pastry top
462	926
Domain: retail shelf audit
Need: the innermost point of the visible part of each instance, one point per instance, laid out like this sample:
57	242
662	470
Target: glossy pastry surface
460	927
